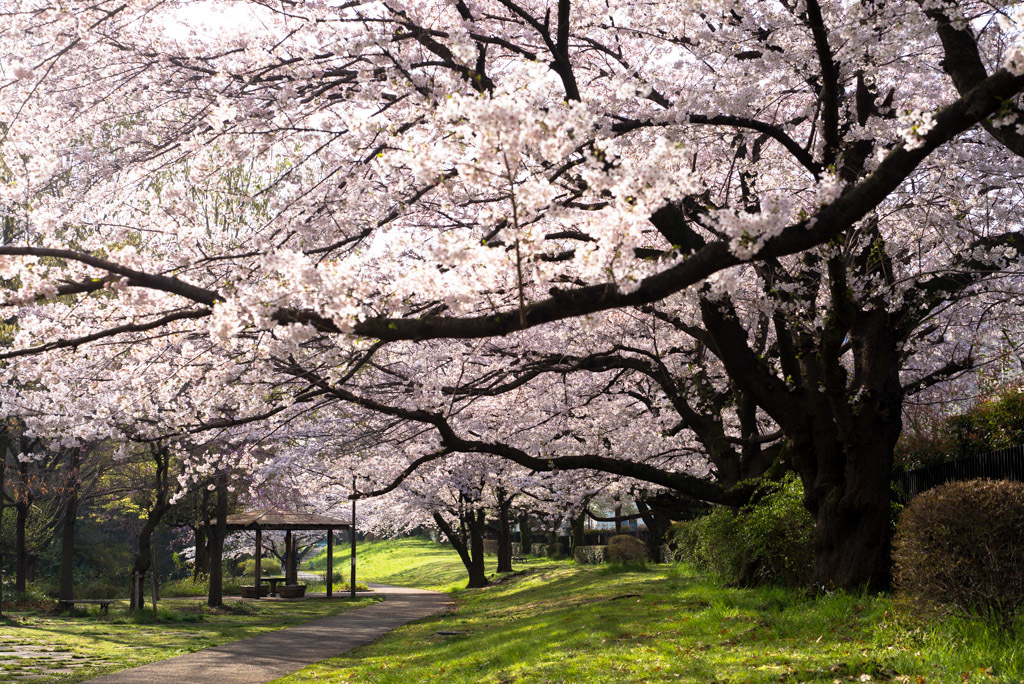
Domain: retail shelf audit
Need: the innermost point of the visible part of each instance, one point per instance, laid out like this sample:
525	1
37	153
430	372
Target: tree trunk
554	550
846	467
477	522
853	516
161	486
477	576
657	522
618	519
504	535
20	553
577	530
219	531
202	555
524	534
67	548
144	557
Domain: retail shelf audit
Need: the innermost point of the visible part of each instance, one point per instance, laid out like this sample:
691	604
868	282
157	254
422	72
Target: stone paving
24	662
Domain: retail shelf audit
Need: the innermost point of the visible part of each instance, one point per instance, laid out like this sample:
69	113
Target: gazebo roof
274	519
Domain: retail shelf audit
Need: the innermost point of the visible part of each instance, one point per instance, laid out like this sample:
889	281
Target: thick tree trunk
848	488
524	534
618	519
851	540
477	576
504	535
853	516
477	522
219	531
67	548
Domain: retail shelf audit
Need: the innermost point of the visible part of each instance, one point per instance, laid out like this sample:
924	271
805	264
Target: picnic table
273	582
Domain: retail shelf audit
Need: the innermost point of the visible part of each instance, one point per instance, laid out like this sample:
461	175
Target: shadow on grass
576	624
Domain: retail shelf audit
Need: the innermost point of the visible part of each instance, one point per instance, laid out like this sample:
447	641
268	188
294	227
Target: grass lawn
409	562
565	623
66	649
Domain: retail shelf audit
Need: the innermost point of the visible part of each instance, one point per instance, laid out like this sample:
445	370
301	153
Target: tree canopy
690	244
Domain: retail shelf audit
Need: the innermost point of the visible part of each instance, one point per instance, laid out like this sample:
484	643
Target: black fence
1004	464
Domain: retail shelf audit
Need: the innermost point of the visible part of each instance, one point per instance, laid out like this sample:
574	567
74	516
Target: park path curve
269	656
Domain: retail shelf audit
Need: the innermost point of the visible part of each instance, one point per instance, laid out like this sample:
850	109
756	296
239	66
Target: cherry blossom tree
733	233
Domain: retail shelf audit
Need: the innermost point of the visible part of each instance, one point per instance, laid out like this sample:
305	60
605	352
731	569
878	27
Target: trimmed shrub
590	555
267	567
623	548
768	541
491	547
962	545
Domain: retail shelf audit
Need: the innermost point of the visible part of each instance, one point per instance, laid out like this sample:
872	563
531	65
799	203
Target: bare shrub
623	548
962	545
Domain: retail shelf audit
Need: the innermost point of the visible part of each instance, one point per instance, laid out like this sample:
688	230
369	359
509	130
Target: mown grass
99	644
409	562
565	623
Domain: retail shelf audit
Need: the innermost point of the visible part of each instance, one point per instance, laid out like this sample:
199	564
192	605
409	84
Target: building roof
274	519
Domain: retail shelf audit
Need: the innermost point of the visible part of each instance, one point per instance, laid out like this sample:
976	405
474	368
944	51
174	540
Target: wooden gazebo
273	519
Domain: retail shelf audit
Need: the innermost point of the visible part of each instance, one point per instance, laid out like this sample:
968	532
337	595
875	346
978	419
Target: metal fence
1003	464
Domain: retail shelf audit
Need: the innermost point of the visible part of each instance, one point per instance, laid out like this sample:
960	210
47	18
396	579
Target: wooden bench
292	591
69	604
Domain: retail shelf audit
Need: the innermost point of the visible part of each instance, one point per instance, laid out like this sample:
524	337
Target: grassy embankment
564	623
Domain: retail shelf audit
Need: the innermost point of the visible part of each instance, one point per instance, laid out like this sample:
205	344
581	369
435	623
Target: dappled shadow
580	624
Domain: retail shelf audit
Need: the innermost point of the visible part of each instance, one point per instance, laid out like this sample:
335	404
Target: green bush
768	541
993	423
623	548
267	567
186	587
962	545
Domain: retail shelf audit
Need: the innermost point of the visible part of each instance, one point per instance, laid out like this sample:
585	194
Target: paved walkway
268	656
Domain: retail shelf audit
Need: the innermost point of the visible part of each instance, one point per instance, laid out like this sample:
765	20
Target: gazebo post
352	535
330	562
259	553
288	553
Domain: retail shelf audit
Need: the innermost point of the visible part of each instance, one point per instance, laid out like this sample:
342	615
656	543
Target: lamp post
352	533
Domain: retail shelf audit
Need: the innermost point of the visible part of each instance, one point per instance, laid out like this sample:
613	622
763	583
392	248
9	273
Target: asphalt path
269	656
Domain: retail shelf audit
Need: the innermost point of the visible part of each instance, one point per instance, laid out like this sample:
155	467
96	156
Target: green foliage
623	548
994	423
962	545
768	541
991	423
267	567
187	587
